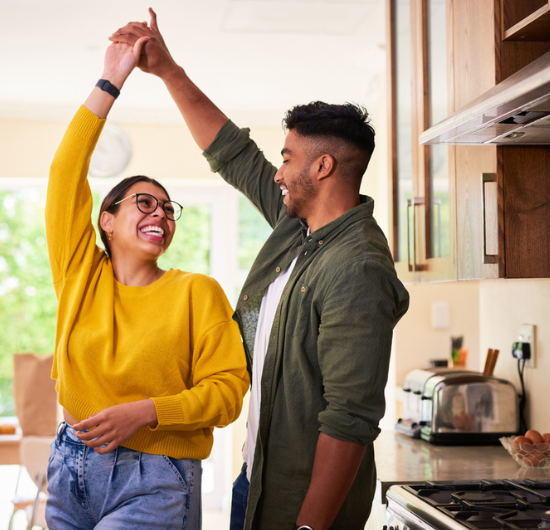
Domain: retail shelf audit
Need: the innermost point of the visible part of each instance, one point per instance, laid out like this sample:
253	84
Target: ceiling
254	58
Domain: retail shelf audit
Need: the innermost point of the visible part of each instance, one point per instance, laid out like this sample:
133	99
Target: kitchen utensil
490	362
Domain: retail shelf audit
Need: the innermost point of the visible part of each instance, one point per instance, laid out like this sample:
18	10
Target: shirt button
303	289
245	297
278	269
320	242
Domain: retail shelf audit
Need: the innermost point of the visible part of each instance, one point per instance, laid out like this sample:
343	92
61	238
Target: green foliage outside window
27	298
253	232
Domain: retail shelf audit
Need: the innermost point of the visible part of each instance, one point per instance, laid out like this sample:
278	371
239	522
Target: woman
147	361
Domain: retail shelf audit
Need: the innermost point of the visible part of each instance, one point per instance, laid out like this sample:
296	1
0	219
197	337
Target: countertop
401	460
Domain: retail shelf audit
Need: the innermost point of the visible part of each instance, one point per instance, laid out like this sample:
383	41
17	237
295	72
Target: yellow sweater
173	341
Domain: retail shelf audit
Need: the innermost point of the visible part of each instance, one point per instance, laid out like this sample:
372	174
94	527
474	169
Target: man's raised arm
202	117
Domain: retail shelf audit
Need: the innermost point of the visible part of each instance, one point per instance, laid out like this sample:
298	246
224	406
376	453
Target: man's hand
155	58
115	425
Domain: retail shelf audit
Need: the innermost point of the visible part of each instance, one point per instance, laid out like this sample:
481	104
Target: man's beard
303	186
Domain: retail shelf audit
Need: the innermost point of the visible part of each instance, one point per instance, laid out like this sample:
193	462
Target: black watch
108	87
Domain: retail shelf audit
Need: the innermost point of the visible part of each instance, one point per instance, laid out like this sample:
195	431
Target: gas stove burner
474	497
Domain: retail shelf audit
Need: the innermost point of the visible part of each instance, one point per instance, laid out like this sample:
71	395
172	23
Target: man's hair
336	128
117	194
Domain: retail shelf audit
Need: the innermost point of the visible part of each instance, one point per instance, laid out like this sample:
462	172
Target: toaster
458	407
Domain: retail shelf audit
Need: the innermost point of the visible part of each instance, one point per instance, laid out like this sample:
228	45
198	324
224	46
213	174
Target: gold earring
109	236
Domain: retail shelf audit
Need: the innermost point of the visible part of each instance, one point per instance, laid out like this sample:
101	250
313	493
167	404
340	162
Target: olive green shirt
328	356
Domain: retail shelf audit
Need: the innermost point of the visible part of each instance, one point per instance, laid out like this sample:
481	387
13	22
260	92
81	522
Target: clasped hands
154	55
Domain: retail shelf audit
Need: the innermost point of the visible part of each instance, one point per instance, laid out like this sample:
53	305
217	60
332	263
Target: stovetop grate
487	504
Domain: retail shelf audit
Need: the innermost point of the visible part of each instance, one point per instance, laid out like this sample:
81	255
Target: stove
485	504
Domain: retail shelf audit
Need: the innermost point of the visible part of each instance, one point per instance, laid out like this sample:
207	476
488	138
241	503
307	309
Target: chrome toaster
460	407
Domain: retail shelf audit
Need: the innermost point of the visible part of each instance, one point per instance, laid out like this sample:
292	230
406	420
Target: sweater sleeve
219	375
70	234
239	161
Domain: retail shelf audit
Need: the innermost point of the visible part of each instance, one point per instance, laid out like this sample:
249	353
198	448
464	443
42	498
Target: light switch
441	315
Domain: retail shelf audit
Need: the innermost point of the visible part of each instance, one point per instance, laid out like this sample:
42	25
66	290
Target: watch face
112	153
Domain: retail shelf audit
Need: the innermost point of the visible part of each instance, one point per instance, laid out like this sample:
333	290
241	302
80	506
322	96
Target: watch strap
108	87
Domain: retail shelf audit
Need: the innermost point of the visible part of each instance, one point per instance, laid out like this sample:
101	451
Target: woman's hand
121	59
114	425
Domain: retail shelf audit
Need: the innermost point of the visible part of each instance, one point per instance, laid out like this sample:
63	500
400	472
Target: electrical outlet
526	333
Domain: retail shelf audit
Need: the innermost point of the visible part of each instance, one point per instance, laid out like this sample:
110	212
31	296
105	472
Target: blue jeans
122	489
239	501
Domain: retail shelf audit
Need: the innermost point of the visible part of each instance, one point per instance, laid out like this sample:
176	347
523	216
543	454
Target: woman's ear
106	221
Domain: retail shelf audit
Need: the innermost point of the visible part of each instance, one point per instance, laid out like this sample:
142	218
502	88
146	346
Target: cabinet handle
490	217
414	202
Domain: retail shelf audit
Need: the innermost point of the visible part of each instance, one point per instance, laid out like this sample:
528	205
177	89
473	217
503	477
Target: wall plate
526	333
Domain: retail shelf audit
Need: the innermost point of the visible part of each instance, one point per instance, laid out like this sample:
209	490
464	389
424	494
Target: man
316	311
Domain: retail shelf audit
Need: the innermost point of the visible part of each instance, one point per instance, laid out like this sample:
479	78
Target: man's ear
325	166
106	221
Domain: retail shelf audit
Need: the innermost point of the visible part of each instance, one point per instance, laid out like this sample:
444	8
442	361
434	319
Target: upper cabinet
465	211
423	201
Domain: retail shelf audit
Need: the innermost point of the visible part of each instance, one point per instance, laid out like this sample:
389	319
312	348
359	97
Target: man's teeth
285	192
153	230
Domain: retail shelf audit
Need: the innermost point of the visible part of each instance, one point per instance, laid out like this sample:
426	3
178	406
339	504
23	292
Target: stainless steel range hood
516	111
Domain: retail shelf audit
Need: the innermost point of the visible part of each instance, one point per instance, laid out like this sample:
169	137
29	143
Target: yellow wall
161	151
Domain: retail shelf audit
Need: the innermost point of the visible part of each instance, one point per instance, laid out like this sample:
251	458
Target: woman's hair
117	194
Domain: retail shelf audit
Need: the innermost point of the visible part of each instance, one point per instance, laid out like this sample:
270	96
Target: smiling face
295	177
147	236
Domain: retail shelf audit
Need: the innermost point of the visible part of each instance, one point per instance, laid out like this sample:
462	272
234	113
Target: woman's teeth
157	230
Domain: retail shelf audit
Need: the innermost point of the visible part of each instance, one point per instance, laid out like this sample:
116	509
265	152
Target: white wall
416	342
488	313
504	306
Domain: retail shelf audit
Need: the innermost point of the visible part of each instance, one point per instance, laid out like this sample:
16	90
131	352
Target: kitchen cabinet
501	192
496	221
422	191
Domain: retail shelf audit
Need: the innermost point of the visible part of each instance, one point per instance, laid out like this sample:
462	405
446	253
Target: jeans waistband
64	430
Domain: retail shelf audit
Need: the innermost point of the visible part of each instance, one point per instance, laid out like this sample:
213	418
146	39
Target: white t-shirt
270	302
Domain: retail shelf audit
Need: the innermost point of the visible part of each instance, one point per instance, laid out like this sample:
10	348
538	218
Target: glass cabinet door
438	223
399	46
422	200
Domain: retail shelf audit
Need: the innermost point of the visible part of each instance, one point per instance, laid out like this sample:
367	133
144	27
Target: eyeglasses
148	204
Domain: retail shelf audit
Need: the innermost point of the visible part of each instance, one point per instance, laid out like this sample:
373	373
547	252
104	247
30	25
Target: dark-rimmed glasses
148	204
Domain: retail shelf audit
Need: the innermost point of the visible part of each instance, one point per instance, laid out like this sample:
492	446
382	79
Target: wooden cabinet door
500	230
